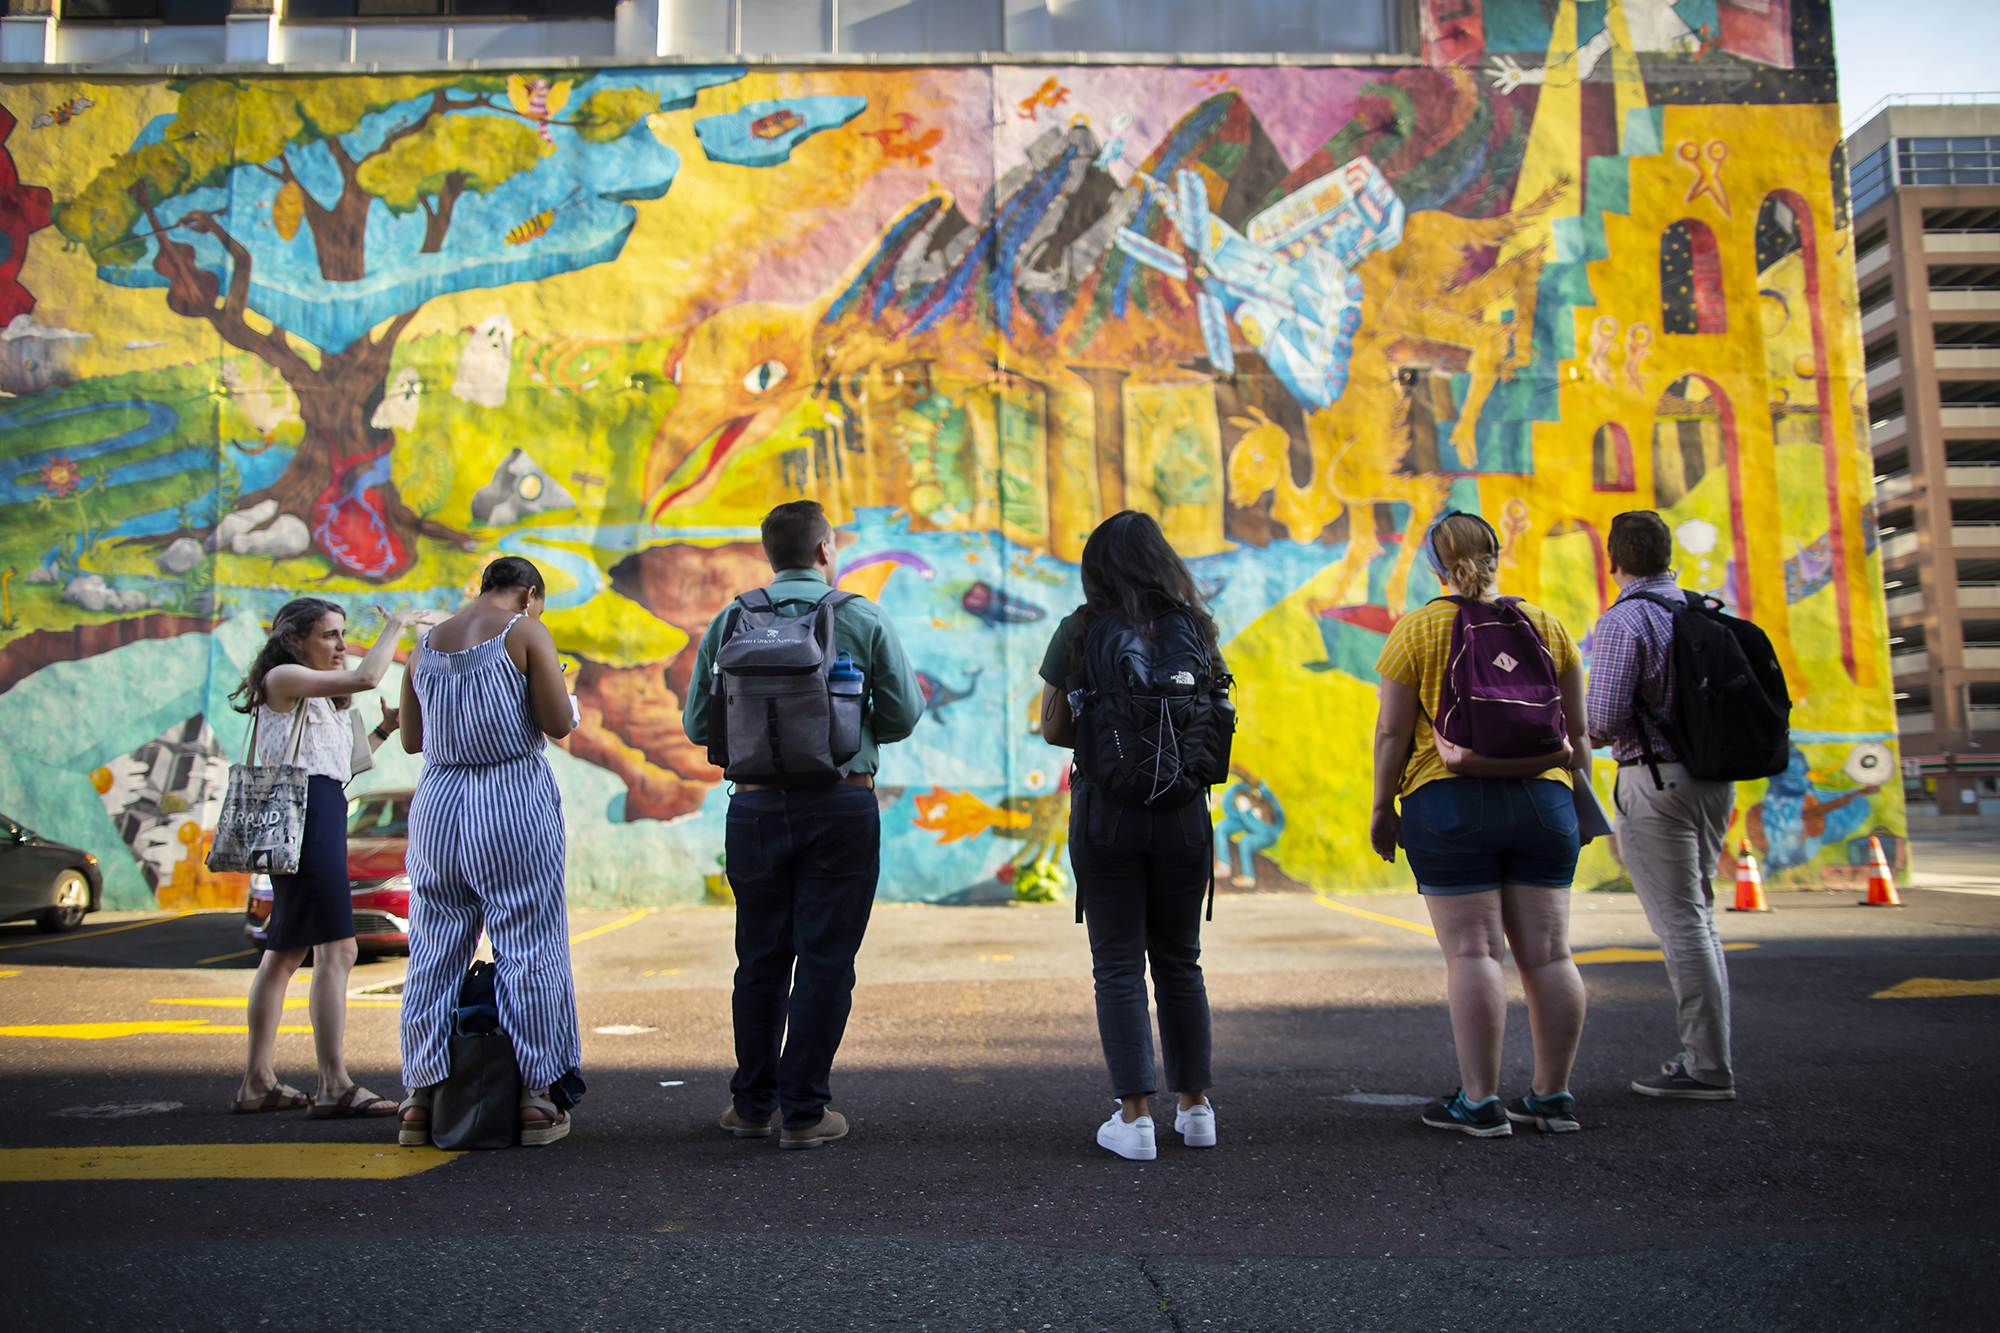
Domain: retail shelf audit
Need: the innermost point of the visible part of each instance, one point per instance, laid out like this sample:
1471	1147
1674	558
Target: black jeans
1141	876
803	864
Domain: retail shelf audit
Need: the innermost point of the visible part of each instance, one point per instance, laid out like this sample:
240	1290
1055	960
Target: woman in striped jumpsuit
486	844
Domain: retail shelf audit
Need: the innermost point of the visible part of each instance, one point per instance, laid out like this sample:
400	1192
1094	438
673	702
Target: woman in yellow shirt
1493	844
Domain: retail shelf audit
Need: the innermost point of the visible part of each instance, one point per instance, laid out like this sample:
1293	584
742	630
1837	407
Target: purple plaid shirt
1632	644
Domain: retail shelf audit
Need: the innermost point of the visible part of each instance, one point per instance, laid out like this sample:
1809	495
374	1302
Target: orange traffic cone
1881	881
1749	884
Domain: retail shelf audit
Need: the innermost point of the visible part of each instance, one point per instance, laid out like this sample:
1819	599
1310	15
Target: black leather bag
479	1105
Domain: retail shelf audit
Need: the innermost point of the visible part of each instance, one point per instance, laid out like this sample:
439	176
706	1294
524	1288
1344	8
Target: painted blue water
255	470
160	420
589	580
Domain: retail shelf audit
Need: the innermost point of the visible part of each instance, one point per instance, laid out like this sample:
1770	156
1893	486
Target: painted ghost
483	370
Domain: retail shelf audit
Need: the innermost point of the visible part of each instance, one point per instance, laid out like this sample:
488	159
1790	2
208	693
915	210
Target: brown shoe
746	1129
832	1125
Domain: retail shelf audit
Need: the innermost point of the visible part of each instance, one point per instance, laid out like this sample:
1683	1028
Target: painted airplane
1287	281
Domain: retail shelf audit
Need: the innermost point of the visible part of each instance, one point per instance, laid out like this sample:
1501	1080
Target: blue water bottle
843	687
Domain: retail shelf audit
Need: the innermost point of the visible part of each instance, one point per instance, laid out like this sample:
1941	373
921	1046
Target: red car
378	833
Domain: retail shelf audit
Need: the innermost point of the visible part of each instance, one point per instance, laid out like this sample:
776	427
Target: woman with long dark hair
303	667
1141	870
486	847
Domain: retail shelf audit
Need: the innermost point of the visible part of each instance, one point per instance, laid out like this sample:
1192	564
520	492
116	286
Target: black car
52	883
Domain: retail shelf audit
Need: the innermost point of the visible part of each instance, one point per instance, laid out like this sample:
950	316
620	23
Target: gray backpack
774	717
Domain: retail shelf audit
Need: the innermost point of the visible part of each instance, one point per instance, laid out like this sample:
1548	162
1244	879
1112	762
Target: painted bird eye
766	377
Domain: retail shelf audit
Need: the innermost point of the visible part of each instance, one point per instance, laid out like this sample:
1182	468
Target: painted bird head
739	372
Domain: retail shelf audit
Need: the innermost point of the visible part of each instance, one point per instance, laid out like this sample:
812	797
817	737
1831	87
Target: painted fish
997	608
959	814
938	696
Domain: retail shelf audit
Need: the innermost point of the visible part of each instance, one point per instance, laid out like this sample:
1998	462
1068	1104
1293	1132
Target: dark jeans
803	864
1141	876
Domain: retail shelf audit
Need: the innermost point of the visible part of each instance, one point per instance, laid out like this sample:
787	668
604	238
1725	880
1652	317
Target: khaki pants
1671	842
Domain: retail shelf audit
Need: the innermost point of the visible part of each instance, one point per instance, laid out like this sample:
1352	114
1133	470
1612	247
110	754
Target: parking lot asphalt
1851	1186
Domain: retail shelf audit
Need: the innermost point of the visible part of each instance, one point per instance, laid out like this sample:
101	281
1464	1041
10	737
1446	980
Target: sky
1914	46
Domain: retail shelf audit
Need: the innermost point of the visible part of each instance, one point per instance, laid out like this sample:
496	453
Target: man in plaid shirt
1671	824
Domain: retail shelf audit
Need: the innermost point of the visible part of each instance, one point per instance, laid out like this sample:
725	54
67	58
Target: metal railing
1920	99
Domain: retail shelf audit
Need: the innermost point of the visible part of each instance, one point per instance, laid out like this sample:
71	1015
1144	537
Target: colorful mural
357	335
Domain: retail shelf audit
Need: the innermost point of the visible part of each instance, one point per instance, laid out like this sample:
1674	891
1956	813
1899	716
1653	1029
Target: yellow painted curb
1937	988
1638	955
200	1161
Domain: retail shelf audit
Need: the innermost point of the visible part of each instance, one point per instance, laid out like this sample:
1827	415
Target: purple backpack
1500	696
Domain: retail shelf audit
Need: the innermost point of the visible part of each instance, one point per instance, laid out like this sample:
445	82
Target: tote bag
479	1103
264	811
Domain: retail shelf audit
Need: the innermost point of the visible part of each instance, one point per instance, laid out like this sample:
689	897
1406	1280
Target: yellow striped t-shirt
1417	654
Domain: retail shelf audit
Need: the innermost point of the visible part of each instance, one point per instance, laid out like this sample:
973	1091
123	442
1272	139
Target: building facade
1926	182
385	290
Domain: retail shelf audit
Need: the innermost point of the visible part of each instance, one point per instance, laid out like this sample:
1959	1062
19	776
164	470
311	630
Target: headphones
1430	538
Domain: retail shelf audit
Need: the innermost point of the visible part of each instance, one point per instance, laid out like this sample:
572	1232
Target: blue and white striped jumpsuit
486	842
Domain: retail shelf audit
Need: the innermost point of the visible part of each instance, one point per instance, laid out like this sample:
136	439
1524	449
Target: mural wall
356	336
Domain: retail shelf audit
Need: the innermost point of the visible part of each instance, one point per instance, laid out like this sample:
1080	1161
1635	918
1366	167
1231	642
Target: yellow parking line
89	934
1617	955
1325	901
224	957
197	1027
603	930
208	1161
291	1002
15	973
1937	988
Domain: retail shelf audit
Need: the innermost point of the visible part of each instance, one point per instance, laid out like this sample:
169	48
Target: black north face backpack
1732	715
1153	719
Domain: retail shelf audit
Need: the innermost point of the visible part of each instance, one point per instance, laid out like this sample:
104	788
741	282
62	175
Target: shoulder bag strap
250	746
298	732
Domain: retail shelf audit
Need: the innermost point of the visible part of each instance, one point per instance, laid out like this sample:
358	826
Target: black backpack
1732	714
1153	718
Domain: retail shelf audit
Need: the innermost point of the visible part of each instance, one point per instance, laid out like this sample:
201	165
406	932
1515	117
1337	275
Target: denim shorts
1468	835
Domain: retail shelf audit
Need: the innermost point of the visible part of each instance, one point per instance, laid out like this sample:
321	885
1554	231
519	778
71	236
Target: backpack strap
1640	708
823	613
757	599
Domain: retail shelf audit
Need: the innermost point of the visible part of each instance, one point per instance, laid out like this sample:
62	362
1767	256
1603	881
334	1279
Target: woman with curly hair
303	667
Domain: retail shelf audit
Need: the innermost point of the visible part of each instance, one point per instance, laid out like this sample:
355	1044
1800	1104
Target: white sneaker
1131	1140
1196	1126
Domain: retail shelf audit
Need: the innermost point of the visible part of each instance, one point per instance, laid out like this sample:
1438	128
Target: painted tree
308	220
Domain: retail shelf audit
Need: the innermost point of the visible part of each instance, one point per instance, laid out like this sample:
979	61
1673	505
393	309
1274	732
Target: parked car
378	833
54	884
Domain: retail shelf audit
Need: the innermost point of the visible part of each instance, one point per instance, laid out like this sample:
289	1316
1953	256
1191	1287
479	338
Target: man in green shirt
803	861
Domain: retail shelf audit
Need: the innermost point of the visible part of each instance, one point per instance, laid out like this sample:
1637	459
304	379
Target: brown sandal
279	1098
357	1101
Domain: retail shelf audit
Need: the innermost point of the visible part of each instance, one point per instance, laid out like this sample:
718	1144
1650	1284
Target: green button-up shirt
892	703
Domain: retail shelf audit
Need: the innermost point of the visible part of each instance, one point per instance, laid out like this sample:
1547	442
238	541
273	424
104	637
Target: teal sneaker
1482	1120
1553	1114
